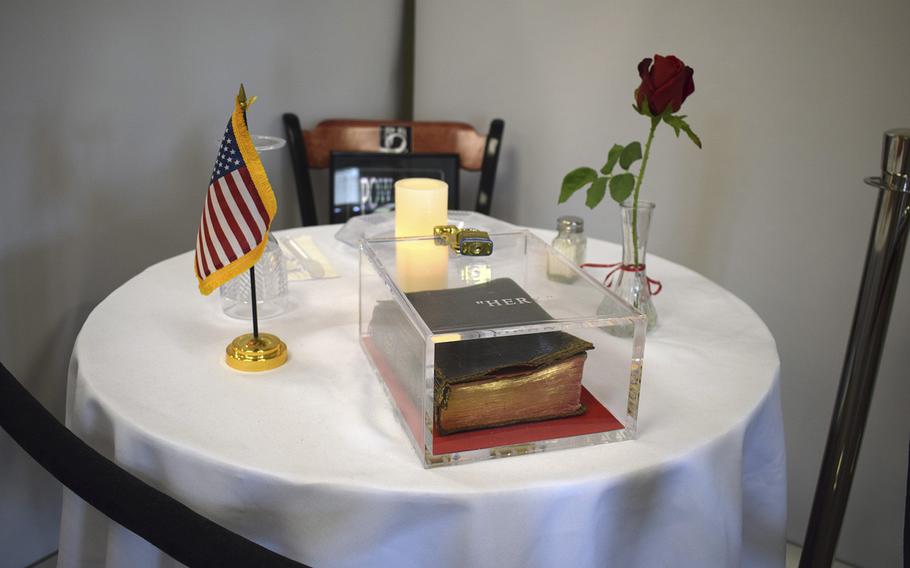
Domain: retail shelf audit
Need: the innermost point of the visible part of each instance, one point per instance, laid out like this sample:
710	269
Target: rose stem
655	120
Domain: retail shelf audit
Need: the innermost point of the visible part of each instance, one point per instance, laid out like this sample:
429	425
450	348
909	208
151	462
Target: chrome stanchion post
867	336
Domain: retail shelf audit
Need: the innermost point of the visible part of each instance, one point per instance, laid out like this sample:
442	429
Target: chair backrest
313	148
175	529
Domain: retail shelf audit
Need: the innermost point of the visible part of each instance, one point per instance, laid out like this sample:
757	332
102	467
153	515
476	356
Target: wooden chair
313	148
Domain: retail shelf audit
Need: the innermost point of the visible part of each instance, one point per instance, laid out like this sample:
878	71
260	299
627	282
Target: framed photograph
364	182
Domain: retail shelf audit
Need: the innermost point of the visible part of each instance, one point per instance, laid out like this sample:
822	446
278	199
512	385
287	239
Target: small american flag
239	207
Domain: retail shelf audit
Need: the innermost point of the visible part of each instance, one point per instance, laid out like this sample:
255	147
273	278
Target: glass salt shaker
570	241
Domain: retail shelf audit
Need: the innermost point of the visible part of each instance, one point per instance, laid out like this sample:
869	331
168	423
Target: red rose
667	83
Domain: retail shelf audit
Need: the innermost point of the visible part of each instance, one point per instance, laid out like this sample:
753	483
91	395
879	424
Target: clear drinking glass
271	287
271	274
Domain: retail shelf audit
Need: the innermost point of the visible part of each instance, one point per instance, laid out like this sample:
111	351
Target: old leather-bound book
489	382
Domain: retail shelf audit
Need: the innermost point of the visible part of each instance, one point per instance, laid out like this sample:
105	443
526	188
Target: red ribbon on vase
617	266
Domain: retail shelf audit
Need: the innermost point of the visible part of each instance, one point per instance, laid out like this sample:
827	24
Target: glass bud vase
630	280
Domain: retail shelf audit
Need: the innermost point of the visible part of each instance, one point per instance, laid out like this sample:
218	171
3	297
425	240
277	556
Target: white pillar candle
420	205
422	265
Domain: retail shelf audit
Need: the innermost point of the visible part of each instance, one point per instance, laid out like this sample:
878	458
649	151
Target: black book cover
499	302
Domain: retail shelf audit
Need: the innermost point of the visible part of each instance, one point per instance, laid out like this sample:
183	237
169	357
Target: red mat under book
596	419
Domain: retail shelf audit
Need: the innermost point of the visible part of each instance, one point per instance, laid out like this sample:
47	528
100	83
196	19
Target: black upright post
253	302
907	518
406	58
867	337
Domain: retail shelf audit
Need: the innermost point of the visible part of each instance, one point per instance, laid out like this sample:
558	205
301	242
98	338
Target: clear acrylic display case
402	347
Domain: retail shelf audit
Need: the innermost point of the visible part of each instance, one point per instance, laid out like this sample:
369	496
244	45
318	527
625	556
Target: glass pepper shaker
570	241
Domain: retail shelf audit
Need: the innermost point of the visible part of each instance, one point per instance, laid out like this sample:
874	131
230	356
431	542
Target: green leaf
673	121
692	136
679	124
575	180
596	192
612	158
630	155
621	187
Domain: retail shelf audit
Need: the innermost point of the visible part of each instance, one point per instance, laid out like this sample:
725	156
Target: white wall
110	114
791	99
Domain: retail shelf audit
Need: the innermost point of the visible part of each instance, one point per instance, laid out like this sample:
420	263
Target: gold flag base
248	353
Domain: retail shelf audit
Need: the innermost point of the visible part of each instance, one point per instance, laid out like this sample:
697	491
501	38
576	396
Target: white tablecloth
310	461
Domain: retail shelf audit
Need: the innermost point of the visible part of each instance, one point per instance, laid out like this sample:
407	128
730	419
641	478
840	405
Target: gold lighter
469	242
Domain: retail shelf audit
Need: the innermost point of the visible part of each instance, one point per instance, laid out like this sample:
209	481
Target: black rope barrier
169	525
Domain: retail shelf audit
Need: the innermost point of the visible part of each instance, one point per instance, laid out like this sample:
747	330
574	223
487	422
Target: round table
310	461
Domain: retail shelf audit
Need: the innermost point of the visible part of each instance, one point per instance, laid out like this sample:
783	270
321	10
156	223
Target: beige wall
110	114
791	100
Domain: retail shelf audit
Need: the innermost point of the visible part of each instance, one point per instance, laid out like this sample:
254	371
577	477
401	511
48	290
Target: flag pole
253	302
254	352
244	104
